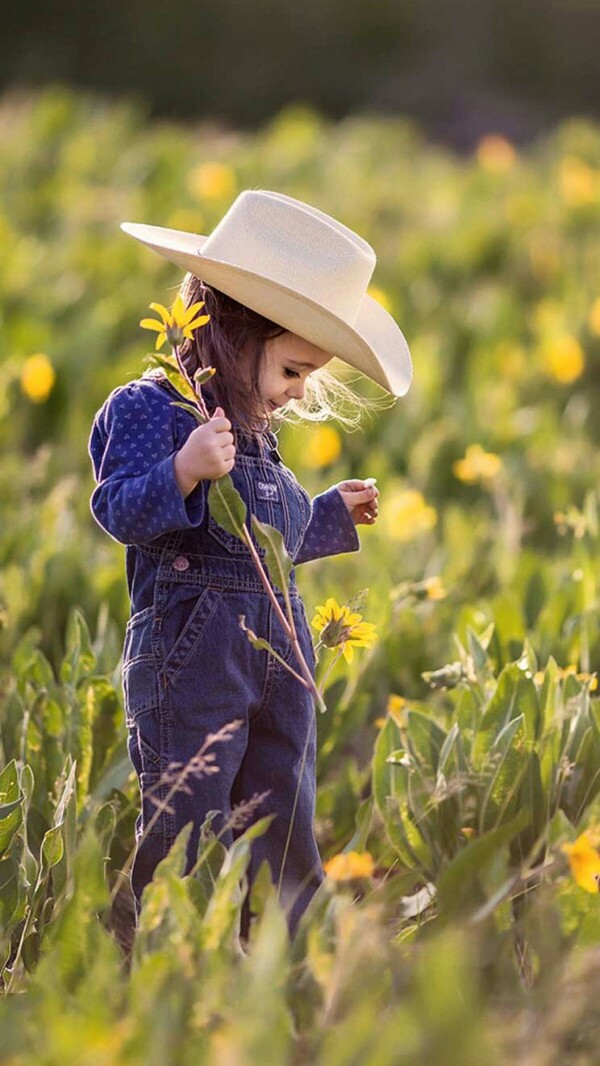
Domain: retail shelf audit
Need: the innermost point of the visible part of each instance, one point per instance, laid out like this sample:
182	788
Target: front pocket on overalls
187	611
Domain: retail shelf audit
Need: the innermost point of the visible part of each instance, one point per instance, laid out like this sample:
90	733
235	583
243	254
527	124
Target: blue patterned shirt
133	442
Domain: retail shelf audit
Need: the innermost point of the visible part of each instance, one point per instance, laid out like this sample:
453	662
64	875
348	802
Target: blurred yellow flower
434	588
187	218
323	446
349	865
176	324
340	627
594	317
591	679
213	181
579	183
561	356
495	153
584	861
37	377
406	515
396	708
468	831
381	296
548	316
477	465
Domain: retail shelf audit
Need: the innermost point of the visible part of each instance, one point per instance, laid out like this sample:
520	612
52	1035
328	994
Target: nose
296	391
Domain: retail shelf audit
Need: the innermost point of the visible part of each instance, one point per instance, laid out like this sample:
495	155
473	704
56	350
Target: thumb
218	412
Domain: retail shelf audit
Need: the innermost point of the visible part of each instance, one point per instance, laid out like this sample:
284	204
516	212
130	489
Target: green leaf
532	800
425	740
507	762
79	659
364	817
11	891
11	800
277	559
449	756
52	847
390	789
227	506
226	900
259	642
478	652
169	364
515	695
459	888
261	888
194	411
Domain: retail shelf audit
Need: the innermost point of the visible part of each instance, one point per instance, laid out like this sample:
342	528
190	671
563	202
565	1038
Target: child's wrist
185	479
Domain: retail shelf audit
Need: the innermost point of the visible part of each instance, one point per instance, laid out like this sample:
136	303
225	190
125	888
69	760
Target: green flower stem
197	391
330	667
289	626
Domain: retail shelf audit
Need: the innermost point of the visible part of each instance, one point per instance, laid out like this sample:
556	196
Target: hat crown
296	246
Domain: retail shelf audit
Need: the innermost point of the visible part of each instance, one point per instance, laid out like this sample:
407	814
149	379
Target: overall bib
188	668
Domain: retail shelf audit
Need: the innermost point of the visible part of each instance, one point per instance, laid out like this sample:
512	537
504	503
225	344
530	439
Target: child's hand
208	453
360	498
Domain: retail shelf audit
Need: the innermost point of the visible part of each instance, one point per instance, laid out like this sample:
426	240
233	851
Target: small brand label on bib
267	490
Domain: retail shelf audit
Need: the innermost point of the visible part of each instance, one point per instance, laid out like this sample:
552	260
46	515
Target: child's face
287	362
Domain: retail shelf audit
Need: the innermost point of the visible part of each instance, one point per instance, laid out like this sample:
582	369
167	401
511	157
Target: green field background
490	263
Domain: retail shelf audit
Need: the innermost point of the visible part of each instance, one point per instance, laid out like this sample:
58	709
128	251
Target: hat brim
374	344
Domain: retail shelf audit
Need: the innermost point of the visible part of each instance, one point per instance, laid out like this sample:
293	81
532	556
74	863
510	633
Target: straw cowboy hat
300	268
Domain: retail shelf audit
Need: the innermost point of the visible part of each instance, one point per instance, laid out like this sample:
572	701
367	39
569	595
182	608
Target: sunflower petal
201	321
188	315
333	608
152	323
348	651
164	314
177	310
160	340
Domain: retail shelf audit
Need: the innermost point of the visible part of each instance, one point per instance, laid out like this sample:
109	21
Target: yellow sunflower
177	324
584	860
350	865
339	626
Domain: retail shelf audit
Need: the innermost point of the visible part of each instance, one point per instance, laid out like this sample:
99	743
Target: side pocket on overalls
140	693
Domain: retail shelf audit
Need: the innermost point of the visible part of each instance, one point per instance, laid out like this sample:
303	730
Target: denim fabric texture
188	668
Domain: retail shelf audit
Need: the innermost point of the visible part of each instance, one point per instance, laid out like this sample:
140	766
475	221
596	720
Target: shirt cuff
191	507
340	511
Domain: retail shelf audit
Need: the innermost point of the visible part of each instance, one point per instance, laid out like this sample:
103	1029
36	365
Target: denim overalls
188	668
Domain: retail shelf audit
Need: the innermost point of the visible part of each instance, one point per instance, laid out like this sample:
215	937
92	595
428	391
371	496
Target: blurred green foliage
459	943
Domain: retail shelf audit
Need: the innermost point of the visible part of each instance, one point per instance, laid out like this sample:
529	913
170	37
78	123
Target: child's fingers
219	421
362	496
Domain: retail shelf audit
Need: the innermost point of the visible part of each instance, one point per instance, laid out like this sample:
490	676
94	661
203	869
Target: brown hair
231	330
234	328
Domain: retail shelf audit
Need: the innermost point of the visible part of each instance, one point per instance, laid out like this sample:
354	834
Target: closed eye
291	373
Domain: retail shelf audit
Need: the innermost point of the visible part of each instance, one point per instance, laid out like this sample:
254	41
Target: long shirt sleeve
132	446
330	530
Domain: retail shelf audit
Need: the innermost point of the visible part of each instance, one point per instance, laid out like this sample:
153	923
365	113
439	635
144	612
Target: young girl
285	287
